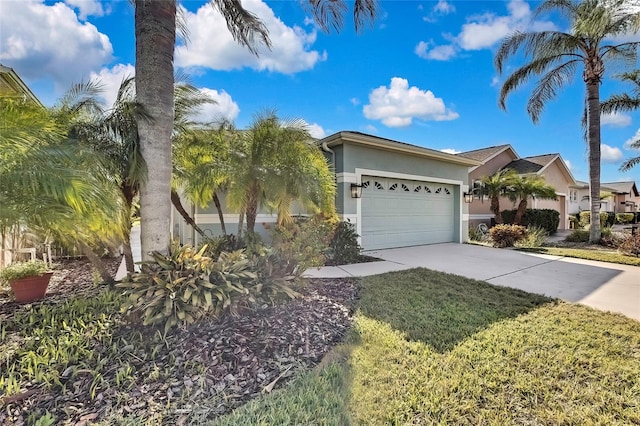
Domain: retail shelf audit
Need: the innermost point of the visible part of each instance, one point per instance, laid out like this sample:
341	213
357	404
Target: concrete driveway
604	286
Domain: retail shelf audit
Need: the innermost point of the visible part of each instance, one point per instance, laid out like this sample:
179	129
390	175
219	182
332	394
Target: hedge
624	217
607	219
548	219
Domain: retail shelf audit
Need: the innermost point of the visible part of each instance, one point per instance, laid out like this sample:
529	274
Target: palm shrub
507	235
535	237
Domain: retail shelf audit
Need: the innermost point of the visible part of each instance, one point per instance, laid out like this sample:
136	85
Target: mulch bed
214	366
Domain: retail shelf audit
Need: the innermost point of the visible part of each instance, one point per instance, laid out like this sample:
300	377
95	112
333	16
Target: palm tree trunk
522	208
593	121
495	208
216	201
96	262
252	210
128	193
155	30
240	225
175	200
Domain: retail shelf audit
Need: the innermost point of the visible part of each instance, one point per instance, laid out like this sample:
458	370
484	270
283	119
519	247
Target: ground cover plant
432	348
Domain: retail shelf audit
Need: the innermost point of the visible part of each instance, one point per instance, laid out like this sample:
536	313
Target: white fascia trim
562	194
346	177
465	217
353	218
209	218
481	216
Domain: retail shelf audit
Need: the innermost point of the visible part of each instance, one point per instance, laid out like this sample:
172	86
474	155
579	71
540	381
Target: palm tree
527	187
555	56
155	30
274	163
625	102
496	186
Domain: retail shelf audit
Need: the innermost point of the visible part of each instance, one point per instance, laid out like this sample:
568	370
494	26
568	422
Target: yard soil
203	371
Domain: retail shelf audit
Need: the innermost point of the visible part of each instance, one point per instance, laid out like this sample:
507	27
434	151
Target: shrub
547	219
624	218
535	237
578	236
183	286
507	235
475	234
303	244
574	221
605	219
22	269
344	248
630	245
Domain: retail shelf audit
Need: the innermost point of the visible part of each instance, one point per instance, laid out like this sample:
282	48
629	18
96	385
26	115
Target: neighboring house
623	197
409	195
12	86
549	166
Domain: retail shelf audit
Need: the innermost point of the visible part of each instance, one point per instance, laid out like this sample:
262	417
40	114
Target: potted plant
28	280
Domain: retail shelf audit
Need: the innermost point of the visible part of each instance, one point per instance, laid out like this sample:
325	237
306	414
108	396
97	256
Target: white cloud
398	104
316	130
610	154
111	79
48	41
615	120
495	80
86	7
211	45
354	101
632	139
569	165
484	31
444	8
451	151
438	53
371	128
224	108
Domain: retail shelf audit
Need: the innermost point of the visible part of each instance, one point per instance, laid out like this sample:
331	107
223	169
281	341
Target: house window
573	195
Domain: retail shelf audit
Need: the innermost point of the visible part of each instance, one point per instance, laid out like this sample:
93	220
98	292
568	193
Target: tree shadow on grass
441	309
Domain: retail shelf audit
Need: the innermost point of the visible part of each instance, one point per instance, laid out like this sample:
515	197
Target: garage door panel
398	213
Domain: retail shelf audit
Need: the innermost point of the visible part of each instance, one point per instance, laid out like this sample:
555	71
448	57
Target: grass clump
588	254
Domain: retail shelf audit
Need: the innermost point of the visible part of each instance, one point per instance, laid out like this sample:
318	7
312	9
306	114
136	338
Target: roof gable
622	187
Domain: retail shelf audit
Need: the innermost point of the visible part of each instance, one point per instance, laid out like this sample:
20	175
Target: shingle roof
483	153
542	160
627	187
523	166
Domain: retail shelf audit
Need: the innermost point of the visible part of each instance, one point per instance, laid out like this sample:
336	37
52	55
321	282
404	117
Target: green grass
432	348
600	255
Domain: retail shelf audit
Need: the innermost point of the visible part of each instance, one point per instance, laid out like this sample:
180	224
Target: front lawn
588	254
433	348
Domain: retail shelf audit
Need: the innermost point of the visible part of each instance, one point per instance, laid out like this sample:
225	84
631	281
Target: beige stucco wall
482	207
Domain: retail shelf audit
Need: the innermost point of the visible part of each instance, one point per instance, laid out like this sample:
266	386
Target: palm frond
547	88
245	27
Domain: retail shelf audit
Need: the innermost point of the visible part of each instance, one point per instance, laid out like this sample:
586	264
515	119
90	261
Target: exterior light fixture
356	190
468	197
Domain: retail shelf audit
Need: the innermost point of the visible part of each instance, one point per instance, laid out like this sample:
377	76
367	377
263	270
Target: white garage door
399	213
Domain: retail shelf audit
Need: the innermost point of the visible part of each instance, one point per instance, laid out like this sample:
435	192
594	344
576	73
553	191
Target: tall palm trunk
96	262
155	39
216	201
593	120
252	208
175	200
522	208
495	208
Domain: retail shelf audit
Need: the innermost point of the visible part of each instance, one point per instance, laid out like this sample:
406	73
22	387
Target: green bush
535	237
606	219
19	270
624	218
183	286
578	236
547	219
507	235
303	244
344	248
630	245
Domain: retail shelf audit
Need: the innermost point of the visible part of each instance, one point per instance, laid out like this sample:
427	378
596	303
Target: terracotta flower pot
32	288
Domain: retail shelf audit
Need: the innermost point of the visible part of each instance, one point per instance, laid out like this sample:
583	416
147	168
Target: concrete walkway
601	285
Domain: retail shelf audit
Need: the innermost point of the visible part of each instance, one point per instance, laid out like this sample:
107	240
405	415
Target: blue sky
422	74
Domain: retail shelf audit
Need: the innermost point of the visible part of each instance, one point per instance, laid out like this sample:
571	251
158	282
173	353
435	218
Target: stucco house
396	194
623	198
549	166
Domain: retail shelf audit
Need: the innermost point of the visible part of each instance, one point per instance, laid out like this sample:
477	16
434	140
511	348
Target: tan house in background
551	167
623	198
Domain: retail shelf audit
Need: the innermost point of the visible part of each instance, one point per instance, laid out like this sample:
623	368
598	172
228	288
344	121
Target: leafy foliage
507	235
631	245
535	237
547	219
624	218
605	219
578	236
344	248
22	269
